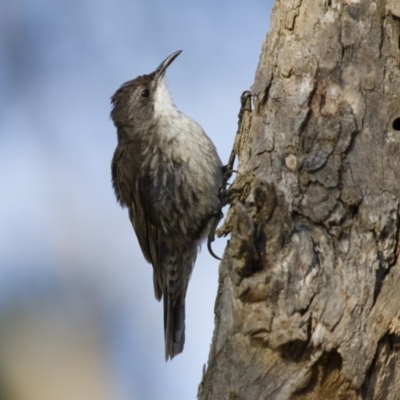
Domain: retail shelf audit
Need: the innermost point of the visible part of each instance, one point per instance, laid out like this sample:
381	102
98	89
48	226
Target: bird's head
139	101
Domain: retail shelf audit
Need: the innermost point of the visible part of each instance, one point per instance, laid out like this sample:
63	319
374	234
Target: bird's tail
174	324
177	273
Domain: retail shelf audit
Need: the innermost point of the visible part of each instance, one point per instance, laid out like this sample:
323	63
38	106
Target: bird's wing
129	183
148	236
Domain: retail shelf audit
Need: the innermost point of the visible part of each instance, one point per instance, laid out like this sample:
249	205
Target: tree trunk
309	297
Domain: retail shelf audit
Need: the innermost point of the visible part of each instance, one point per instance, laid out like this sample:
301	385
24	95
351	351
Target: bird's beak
160	71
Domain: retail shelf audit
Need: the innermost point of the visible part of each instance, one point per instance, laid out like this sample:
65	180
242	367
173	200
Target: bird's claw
211	236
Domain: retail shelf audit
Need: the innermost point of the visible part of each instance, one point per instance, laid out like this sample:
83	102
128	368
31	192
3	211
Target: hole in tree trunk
396	124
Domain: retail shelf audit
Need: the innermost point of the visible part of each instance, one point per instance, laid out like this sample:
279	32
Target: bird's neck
164	107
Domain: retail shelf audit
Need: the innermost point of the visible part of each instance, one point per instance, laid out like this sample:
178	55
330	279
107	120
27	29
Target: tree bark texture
308	305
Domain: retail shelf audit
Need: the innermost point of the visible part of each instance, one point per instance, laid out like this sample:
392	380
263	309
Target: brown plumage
166	171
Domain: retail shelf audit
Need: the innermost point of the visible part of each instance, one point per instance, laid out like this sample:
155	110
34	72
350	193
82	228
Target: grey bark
308	305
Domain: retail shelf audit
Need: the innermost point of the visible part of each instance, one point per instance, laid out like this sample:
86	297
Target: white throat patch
163	104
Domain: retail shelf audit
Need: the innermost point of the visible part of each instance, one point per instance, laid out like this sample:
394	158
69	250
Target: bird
166	171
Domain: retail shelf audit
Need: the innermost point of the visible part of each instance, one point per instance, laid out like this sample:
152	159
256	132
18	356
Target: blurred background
78	318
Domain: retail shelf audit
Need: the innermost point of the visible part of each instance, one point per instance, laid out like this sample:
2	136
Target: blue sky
61	230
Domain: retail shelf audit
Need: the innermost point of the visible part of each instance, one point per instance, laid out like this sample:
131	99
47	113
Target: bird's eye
145	93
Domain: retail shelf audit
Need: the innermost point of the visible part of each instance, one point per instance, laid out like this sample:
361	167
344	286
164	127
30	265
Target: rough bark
309	297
